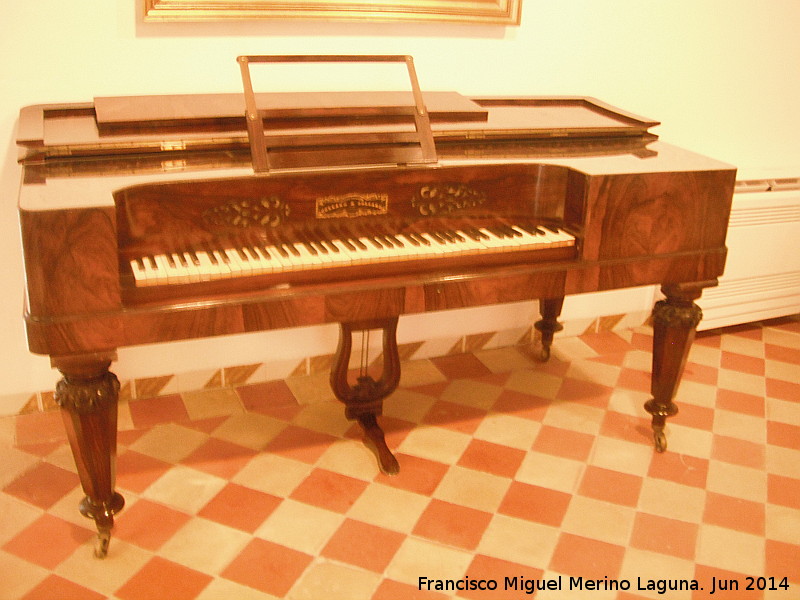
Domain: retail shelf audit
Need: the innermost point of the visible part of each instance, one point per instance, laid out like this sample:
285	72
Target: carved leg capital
87	396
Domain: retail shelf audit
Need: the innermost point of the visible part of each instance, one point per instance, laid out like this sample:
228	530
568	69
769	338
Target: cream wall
723	76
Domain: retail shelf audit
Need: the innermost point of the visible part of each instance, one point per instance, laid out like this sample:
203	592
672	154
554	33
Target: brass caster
660	441
101	544
544	355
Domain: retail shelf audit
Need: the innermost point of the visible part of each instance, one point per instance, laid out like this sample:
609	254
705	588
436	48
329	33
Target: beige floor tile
519	541
325	417
205	404
550	471
737	481
435	443
251	430
333	581
223	589
540	384
15	463
204	545
781	337
476	489
783	411
738	425
123	561
419	372
169	442
699	394
742	382
351	458
19	576
124	418
571	348
66	507
471	393
502	360
782	370
418	557
653	565
569	415
620	455
783	461
184	488
300	526
639	360
782	523
714	546
408	405
309	389
389	507
742	345
689	440
508	430
599	520
596	372
272	474
705	355
628	402
15	515
672	500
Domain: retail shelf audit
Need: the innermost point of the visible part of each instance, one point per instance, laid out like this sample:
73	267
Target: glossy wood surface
641	213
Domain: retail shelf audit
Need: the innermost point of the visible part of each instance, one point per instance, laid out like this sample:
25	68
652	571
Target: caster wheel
660	441
101	544
544	355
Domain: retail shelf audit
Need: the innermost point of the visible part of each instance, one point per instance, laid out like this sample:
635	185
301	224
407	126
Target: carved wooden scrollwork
677	315
446	198
249	212
84	396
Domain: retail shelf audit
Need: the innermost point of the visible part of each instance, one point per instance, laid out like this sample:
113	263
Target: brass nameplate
354	204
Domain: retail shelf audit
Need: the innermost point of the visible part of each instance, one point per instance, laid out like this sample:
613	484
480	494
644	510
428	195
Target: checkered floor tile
514	474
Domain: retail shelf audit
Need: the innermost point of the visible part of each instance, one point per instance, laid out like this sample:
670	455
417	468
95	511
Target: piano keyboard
207	264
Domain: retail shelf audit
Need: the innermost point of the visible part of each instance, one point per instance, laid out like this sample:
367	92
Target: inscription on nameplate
249	212
446	198
354	204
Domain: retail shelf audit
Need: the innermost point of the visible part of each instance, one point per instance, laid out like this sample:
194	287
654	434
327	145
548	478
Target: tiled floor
509	469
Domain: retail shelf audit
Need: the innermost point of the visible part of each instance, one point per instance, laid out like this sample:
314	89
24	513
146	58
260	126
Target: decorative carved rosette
87	396
677	315
446	198
248	212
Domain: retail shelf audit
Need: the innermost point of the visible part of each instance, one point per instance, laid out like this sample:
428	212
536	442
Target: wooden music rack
423	149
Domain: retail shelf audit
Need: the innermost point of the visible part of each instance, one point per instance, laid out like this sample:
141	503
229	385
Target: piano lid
168	124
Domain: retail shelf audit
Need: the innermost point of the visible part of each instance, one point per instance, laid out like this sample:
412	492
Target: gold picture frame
496	12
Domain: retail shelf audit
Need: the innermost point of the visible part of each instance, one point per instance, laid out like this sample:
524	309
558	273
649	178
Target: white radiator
762	274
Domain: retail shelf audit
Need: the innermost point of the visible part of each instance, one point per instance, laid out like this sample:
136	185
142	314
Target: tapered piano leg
675	321
364	399
88	395
550	309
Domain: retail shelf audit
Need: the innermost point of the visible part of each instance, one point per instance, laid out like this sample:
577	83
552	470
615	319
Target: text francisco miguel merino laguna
531	586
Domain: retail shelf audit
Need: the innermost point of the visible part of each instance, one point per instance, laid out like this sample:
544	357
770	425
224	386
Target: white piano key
342	251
